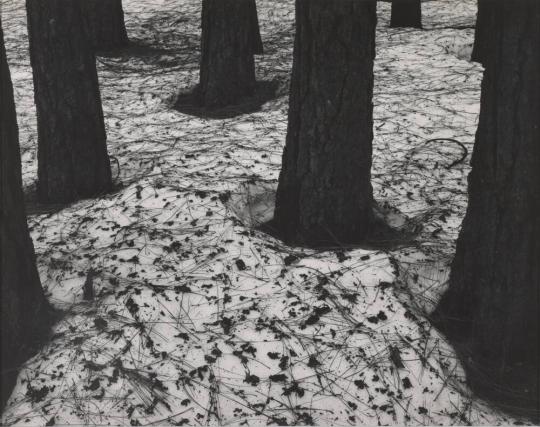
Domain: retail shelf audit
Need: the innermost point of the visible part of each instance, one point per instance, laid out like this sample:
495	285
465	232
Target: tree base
513	389
380	236
12	364
192	102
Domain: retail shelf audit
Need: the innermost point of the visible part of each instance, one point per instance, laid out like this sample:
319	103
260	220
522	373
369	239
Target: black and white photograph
270	212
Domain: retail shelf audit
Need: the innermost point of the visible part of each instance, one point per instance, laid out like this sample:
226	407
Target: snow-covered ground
200	319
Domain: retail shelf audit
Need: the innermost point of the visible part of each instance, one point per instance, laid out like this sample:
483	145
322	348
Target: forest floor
197	317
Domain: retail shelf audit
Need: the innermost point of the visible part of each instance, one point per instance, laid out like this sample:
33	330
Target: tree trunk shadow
190	102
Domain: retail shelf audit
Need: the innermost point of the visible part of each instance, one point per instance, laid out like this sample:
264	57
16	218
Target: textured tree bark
72	151
324	195
492	305
406	13
230	38
484	30
105	25
24	310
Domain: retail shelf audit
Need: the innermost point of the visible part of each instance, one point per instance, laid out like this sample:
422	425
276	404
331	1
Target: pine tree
24	310
72	157
491	309
230	38
324	195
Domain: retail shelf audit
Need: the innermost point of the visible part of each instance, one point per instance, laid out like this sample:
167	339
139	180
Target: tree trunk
255	32
484	31
230	38
104	21
324	194
72	151
492	305
406	13
24	310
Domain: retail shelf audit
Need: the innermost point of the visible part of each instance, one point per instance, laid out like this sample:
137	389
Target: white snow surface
201	319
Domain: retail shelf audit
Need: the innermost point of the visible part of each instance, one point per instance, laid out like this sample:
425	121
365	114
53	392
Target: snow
201	319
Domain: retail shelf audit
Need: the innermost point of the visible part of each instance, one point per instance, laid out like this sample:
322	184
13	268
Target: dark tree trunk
105	26
72	151
484	31
255	32
230	38
406	13
492	305
324	194
24	310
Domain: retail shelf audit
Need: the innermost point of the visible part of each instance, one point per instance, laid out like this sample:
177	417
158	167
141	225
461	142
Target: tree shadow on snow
189	102
35	207
149	54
